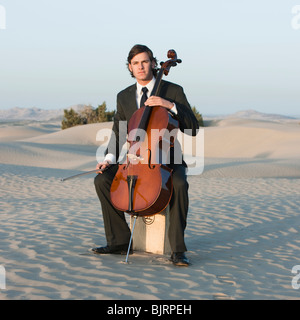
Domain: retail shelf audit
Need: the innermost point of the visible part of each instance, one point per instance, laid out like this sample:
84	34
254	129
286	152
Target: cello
143	184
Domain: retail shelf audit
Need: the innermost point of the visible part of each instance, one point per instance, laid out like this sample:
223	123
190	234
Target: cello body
152	181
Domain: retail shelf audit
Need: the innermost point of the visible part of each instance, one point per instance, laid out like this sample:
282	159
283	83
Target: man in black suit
142	66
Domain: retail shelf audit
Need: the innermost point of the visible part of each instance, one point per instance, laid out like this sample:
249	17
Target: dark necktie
144	96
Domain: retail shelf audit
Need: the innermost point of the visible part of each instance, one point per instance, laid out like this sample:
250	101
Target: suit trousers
116	227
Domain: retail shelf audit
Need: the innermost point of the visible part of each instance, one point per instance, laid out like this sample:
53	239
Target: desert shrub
198	116
87	115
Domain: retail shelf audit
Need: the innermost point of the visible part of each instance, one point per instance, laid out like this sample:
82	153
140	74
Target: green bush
198	116
87	115
71	119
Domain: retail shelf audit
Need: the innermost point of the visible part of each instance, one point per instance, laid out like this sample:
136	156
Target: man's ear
129	67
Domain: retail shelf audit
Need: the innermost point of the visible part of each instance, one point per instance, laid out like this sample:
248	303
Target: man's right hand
102	166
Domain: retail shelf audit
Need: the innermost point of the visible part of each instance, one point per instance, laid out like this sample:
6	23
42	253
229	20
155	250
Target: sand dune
243	228
238	138
19	130
79	135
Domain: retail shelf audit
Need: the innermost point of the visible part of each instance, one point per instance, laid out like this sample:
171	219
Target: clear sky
237	54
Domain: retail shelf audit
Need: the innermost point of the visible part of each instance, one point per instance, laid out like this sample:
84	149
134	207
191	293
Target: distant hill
255	115
35	114
249	114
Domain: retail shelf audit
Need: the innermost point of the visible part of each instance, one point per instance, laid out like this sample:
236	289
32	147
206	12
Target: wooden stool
151	233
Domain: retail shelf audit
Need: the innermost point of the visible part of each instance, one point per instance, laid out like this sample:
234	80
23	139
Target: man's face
141	67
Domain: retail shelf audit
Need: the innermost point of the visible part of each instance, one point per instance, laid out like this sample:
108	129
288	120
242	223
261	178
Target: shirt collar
149	86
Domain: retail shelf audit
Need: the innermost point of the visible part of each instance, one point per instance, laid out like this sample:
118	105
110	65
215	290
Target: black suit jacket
126	106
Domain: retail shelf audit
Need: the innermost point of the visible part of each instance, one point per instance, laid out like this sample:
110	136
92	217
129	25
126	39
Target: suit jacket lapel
131	98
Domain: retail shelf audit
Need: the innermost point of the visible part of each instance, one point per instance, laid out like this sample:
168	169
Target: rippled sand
242	235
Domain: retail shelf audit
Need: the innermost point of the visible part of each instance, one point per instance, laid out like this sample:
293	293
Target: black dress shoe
179	259
120	249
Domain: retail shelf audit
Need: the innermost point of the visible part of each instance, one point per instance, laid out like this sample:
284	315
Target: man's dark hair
137	49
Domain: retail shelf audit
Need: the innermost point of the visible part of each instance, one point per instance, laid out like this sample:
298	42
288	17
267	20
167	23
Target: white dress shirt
139	91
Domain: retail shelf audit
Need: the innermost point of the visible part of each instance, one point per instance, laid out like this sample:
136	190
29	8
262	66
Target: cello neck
157	82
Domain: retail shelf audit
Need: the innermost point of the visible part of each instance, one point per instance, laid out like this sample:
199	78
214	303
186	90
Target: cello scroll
170	63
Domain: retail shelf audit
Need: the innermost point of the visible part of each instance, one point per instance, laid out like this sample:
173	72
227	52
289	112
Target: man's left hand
155	101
